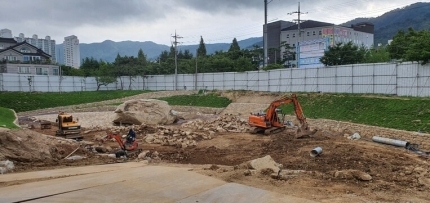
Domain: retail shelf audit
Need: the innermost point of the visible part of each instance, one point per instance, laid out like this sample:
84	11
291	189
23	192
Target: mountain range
416	16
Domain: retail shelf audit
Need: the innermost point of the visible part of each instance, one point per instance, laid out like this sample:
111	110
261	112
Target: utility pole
176	37
298	12
195	82
265	33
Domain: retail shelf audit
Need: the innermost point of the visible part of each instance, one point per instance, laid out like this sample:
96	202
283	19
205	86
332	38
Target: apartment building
72	55
47	44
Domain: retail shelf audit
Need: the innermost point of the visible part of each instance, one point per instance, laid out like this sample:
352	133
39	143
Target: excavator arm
270	121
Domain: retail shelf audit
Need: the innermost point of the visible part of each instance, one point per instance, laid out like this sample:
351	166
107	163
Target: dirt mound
29	146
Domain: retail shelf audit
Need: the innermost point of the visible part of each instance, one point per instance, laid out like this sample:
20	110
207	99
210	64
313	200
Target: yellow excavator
270	122
68	127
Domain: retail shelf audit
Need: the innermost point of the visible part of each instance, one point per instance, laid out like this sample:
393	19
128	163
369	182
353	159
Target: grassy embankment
24	101
6	118
403	113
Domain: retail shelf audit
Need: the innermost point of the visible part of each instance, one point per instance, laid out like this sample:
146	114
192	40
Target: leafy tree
89	65
419	47
234	46
411	46
201	51
104	74
376	55
342	54
70	71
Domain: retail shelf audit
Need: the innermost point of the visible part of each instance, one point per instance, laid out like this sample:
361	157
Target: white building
47	45
5	33
359	34
72	55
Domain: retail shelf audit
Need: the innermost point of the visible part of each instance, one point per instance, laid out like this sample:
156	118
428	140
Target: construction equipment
270	121
68	127
126	147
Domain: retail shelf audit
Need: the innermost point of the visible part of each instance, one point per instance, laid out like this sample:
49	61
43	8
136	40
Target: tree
89	65
342	54
234	46
201	51
419	48
104	74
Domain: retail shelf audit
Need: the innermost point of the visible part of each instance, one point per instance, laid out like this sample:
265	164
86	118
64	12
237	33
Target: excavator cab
273	120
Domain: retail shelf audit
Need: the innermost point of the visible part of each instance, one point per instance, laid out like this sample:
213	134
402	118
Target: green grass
204	100
404	113
6	118
24	101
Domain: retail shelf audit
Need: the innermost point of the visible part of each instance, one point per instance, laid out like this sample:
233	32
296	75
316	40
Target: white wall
405	79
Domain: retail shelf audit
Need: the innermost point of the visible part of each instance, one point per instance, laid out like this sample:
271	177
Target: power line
176	37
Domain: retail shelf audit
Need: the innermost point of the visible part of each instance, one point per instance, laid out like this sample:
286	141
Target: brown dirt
392	169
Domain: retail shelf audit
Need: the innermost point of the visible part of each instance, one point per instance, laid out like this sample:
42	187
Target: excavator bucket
305	132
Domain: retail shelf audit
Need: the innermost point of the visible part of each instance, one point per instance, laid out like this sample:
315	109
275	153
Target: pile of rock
173	137
225	123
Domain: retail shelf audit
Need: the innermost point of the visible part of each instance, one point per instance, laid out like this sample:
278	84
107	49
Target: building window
55	71
23	69
313	33
288	35
42	71
320	32
294	35
10	58
307	33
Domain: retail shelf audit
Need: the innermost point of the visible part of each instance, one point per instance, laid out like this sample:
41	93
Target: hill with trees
415	16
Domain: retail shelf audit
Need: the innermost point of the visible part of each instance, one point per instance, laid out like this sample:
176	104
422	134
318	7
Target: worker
131	136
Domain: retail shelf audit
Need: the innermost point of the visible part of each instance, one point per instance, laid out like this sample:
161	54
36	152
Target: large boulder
144	111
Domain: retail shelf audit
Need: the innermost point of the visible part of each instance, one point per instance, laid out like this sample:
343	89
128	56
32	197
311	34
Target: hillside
108	50
416	16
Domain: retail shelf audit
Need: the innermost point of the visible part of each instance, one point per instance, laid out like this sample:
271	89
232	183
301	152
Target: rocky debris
222	124
148	111
354	136
142	155
351	174
262	164
6	166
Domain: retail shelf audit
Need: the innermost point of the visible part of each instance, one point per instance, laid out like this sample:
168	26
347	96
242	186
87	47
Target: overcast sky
144	20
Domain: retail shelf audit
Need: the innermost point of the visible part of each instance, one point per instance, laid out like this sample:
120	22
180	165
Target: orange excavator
270	122
126	147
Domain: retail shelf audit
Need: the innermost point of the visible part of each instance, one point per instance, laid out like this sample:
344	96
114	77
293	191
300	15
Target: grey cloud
78	12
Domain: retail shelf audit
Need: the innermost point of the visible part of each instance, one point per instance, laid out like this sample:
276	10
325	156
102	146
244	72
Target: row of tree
406	46
411	46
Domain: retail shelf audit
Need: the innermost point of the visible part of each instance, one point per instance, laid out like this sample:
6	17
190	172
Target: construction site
249	142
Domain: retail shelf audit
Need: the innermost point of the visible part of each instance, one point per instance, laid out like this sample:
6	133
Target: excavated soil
397	175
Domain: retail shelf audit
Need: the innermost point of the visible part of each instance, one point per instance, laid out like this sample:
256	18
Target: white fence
404	79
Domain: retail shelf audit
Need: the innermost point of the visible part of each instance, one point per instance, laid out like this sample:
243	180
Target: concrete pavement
131	182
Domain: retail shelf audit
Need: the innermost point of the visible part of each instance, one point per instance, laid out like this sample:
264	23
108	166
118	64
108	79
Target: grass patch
24	101
6	118
204	100
404	113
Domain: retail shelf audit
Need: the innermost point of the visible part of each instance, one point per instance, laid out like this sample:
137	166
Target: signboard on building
311	51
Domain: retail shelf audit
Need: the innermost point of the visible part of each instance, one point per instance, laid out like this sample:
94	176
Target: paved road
131	182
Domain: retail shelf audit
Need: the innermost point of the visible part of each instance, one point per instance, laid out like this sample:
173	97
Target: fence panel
327	79
240	81
311	79
252	79
404	79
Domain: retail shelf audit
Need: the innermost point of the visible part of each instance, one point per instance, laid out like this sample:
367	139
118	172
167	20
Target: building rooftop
308	24
8	40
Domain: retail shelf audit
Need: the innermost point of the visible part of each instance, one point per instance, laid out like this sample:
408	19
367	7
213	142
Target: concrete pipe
315	152
398	143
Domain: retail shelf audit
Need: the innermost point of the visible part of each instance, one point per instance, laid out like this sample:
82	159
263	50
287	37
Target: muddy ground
397	175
